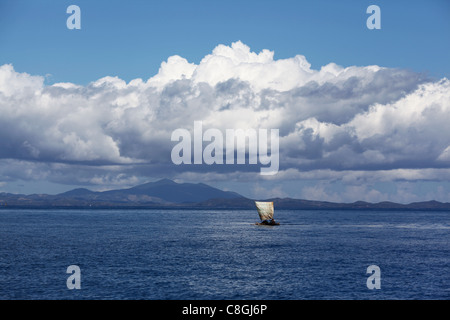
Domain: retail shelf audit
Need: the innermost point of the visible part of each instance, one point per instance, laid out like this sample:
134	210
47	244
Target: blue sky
49	150
130	39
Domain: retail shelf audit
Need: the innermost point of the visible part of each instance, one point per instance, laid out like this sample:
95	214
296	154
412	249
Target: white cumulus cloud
332	120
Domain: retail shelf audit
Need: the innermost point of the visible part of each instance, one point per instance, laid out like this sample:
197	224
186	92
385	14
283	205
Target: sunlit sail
265	211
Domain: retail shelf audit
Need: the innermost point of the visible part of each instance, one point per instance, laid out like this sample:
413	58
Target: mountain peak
170	191
77	192
165	181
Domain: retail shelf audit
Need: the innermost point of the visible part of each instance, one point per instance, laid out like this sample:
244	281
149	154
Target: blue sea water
216	254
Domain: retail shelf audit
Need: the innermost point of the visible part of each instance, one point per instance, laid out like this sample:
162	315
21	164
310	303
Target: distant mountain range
169	194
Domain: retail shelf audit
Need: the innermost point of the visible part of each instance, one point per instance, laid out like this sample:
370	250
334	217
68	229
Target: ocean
221	255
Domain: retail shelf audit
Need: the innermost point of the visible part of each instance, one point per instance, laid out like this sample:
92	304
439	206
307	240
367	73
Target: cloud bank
335	122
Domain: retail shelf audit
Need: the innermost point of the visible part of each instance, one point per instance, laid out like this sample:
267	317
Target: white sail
265	210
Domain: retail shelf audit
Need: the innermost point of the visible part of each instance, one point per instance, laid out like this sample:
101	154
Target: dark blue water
183	254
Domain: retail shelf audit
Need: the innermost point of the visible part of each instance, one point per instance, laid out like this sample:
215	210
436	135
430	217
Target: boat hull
267	224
